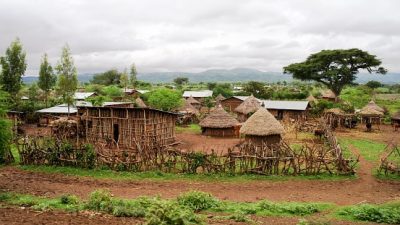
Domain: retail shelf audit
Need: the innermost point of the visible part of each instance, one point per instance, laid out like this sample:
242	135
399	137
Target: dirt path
364	171
341	192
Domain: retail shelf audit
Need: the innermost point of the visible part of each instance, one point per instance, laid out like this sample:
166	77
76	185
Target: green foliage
239	217
164	99
133	75
69	199
373	84
191	128
113	92
181	81
170	213
13	66
197	159
369	150
47	79
335	68
223	89
289	208
5	140
67	76
358	96
110	77
386	213
257	89
100	200
124	80
197	200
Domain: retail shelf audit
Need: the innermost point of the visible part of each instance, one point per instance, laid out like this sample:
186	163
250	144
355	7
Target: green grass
384	213
15	153
369	150
160	176
191	128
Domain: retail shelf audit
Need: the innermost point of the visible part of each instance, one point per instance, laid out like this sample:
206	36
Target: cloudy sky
195	35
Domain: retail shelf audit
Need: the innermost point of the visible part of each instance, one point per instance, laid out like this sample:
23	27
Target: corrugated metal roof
82	95
198	94
84	103
285	105
59	109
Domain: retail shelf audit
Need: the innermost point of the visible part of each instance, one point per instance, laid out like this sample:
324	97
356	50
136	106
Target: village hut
231	103
200	96
194	102
262	127
219	98
247	108
287	110
312	100
139	103
396	120
336	117
219	123
374	106
329	95
370	116
189	113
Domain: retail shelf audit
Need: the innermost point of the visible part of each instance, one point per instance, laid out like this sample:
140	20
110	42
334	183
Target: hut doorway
116	132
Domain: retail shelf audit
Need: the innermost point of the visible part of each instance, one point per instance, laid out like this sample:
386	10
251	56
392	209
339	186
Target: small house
193	102
262	128
198	95
220	123
233	102
329	96
189	113
287	110
396	118
47	115
81	96
247	108
219	98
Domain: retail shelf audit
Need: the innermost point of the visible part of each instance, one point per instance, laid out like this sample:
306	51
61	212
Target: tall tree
110	77
181	80
67	77
13	66
123	80
133	75
335	68
47	79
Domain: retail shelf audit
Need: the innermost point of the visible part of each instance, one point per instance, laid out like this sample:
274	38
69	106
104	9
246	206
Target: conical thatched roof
262	123
250	105
192	101
139	103
188	108
366	111
328	94
311	98
374	106
336	111
396	116
219	118
219	98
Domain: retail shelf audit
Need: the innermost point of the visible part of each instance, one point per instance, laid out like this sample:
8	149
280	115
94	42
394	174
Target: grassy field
191	128
190	207
369	150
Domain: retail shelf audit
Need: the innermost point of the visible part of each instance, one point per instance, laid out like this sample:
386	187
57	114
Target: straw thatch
188	108
366	111
250	105
396	116
374	106
219	118
328	94
311	98
219	98
335	111
193	101
139	103
262	123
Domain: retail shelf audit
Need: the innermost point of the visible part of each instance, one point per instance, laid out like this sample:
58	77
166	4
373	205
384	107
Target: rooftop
198	94
286	105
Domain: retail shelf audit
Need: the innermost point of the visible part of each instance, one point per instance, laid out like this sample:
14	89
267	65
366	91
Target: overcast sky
195	35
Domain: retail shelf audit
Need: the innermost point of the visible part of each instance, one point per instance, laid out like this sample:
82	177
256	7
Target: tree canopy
13	66
165	99
110	77
133	75
335	68
47	79
181	80
373	84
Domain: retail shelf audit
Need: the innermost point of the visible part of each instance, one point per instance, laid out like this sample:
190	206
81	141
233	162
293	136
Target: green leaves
67	76
164	99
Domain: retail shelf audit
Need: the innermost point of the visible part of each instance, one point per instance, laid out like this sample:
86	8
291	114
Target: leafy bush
164	99
388	213
170	213
100	200
289	208
197	200
69	199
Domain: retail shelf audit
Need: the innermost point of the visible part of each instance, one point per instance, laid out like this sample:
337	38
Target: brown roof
219	98
139	103
336	111
262	123
250	105
328	94
374	106
311	98
396	116
188	108
366	111
192	101
219	118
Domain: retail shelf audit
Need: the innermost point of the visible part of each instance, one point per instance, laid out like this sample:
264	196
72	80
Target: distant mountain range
233	75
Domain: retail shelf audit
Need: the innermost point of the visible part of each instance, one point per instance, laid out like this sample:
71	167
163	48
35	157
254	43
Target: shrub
170	213
289	208
389	213
197	200
69	200
239	217
100	200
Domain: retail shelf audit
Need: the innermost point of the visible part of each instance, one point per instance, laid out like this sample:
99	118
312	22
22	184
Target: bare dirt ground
197	142
384	134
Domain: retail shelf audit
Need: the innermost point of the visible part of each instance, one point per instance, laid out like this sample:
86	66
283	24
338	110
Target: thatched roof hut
329	95
219	98
396	117
188	108
311	98
335	111
370	112
369	115
192	101
219	123
374	106
140	103
262	127
248	106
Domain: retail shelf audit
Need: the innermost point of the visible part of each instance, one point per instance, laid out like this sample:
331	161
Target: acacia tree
133	75
13	66
67	77
335	68
47	79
